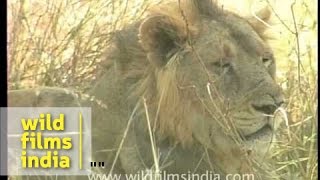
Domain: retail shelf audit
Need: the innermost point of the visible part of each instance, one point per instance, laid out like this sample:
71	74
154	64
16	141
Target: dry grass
60	43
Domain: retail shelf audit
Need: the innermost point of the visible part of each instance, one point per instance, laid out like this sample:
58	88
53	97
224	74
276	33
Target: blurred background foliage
61	42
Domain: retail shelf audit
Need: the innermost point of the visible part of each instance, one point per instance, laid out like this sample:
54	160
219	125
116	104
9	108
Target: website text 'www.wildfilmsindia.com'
147	175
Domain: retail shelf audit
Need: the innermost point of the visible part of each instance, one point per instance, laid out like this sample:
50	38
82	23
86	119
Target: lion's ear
161	36
260	20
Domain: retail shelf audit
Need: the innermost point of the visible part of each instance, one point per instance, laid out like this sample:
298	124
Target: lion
190	88
187	66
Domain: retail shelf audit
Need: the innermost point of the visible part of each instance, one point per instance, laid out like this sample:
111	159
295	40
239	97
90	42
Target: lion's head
205	73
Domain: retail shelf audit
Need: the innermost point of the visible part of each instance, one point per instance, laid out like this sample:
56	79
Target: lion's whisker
268	115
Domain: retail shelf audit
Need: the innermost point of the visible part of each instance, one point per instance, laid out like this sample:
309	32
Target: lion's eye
221	66
267	59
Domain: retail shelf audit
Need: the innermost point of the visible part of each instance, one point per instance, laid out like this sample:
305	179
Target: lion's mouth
262	133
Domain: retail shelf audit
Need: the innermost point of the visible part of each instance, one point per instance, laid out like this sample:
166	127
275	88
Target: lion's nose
279	102
268	108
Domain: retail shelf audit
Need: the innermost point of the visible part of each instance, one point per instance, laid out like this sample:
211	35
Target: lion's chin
260	142
263	133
